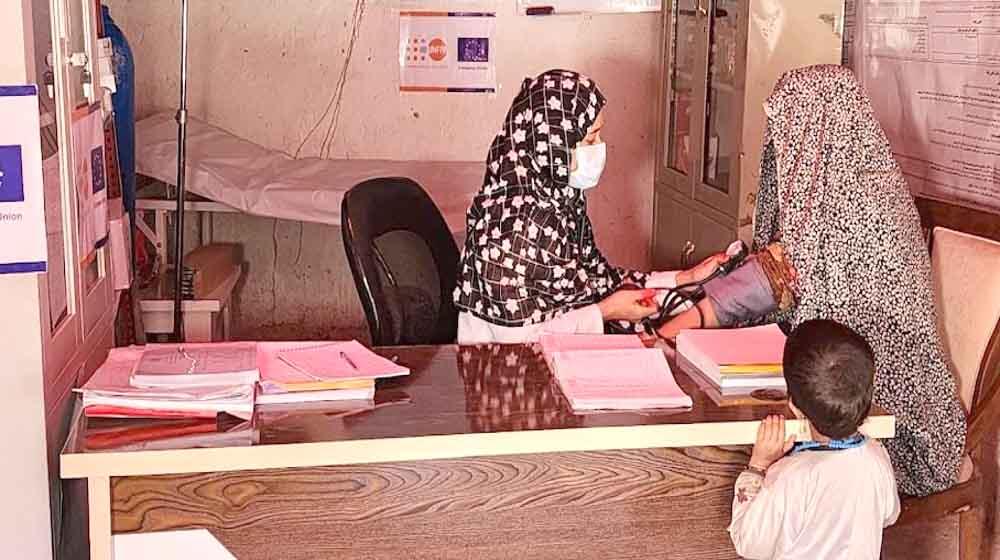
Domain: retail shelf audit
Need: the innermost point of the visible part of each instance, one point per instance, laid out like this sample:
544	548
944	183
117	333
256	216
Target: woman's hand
771	443
628	305
702	270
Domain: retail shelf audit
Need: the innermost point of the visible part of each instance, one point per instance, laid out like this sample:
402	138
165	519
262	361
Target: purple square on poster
11	174
97	167
473	49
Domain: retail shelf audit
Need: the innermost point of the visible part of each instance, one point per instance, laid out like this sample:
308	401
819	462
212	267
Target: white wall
24	512
265	70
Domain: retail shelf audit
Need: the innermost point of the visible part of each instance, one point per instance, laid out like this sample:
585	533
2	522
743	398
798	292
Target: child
830	497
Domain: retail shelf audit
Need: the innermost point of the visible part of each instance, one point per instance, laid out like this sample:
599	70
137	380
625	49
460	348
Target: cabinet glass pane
721	145
48	116
683	67
77	44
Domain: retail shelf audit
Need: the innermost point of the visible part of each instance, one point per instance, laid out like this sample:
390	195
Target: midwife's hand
628	305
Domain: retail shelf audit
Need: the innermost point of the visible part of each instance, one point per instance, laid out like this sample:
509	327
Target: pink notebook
622	379
278	377
328	361
754	345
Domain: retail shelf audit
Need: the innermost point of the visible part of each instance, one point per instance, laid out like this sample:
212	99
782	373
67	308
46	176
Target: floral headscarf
530	253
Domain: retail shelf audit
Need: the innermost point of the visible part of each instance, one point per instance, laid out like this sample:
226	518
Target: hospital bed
227	174
231	174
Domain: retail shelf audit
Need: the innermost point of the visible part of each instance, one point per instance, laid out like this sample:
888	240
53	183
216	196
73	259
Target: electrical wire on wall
331	117
333	106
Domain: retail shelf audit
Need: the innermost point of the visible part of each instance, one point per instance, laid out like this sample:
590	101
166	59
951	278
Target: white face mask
590	160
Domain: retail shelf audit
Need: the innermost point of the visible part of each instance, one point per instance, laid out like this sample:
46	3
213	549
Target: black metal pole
181	162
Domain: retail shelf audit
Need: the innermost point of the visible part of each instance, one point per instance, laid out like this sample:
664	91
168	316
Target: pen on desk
350	362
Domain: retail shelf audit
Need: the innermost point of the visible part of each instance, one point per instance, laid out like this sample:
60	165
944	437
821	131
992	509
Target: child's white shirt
817	504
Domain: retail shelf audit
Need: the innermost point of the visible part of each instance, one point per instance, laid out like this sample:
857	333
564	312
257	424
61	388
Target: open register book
600	372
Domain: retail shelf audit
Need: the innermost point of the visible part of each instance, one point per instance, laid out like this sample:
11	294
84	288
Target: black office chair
404	261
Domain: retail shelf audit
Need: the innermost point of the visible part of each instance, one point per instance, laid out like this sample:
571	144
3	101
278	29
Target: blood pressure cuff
759	287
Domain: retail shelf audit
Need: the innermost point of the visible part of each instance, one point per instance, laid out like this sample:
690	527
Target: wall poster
447	52
932	69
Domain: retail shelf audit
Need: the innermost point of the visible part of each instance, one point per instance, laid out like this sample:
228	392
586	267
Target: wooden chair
967	282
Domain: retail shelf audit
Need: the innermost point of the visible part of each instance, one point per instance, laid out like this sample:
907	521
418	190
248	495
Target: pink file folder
754	345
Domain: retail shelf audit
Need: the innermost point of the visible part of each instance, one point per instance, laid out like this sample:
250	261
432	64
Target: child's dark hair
830	370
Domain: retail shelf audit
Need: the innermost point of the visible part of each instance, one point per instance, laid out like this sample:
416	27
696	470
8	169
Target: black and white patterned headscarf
530	253
832	194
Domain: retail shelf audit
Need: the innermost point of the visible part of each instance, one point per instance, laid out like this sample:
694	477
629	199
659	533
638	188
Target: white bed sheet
236	172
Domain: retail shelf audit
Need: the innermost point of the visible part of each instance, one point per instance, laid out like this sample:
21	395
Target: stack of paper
611	372
294	372
736	360
110	393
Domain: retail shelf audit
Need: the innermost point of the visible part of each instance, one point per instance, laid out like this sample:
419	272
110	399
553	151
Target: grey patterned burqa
833	195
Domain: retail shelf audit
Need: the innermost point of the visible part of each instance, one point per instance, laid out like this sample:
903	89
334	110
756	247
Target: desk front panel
654	503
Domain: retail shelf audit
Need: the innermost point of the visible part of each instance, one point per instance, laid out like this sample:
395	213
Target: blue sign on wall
11	179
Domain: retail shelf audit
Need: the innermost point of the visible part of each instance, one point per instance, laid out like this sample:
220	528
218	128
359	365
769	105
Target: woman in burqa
837	236
530	264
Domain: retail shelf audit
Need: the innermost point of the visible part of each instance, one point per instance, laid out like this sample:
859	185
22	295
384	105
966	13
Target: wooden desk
474	455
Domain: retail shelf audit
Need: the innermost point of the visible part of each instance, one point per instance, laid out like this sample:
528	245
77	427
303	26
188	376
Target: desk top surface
457	401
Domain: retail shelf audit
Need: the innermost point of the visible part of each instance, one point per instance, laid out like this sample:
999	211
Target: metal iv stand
178	334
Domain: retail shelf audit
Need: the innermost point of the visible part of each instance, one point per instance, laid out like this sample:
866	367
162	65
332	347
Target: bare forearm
701	316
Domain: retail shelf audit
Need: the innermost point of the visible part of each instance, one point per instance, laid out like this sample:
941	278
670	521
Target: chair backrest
404	261
967	283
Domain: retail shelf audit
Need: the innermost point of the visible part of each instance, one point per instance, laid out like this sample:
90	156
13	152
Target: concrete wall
266	70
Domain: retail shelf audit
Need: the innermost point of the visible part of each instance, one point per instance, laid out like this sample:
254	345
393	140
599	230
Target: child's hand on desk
771	443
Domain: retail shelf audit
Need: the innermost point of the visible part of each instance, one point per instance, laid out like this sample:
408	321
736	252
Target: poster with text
932	69
23	247
447	52
555	7
89	179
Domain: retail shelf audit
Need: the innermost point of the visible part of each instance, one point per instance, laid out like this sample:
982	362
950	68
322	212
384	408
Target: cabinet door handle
702	10
686	253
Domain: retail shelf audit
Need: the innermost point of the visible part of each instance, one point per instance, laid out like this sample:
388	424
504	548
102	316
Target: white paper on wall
23	247
89	179
447	52
932	69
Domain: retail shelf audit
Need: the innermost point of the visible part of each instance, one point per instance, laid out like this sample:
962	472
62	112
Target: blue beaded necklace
857	440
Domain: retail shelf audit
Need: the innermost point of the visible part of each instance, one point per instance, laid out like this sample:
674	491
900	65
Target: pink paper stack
597	372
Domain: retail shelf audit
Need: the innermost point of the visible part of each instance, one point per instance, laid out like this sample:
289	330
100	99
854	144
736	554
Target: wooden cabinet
720	60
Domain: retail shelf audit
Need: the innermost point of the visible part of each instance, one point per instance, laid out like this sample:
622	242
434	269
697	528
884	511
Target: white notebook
197	365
